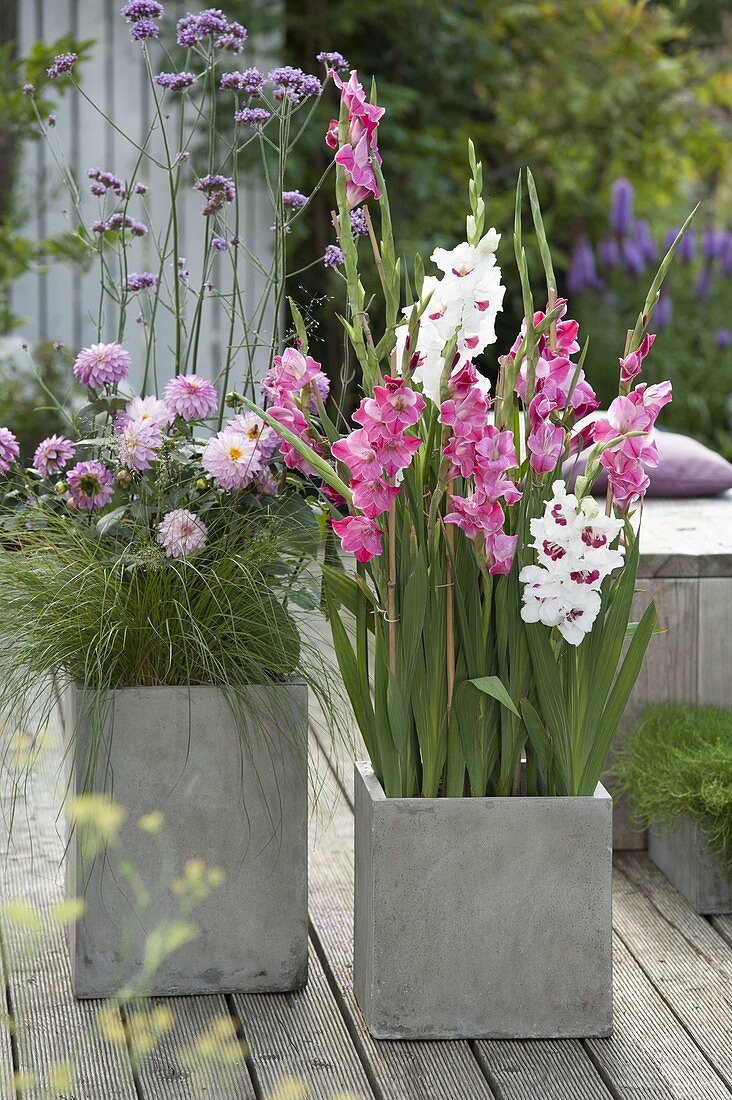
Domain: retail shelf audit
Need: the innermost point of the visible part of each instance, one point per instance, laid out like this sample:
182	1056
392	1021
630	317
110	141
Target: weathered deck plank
650	1055
398	1071
681	954
51	1028
194	1058
302	1035
539	1068
723	925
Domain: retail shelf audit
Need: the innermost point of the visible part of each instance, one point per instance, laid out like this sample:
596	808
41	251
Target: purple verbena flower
333	256
293	200
52	121
250	81
233	39
28	89
621	206
219	244
723	338
333	60
252	116
220	190
140	280
182	157
293	84
141	188
137	10
64	63
107	180
98	189
91	485
359	226
122	222
144	29
175	82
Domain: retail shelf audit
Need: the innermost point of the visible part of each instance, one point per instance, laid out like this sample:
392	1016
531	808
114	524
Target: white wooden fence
60	303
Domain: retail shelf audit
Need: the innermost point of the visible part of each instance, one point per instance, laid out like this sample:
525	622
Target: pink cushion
686	468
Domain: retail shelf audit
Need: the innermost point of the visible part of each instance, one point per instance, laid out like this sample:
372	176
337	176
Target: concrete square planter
238	806
681	851
482	917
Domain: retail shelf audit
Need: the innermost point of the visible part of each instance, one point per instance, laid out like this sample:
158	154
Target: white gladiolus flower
573	544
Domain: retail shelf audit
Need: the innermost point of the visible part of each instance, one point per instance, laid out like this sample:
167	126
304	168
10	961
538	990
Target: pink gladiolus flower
369	415
396	453
9	449
355	155
91	485
626	476
102	365
472	515
292	418
360	176
546	443
359	535
461	452
652	398
493	487
624	415
467	415
400	406
181	533
359	455
632	365
497	450
373	497
53	455
192	397
500	549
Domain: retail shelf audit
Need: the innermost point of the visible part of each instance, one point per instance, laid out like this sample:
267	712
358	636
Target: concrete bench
686	566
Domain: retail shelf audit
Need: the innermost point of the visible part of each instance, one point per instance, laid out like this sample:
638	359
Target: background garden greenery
585	91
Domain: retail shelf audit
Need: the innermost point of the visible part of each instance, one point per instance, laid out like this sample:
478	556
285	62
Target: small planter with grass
676	770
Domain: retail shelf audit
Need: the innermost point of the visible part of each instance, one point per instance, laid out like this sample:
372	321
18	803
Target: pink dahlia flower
9	449
139	443
254	428
192	397
102	365
232	459
53	454
181	533
150	410
91	485
359	535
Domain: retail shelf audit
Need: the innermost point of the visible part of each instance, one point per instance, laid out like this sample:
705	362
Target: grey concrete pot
482	917
681	851
238	805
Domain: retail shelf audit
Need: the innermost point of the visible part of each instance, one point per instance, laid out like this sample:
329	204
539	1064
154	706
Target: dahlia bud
124	477
60	487
202	484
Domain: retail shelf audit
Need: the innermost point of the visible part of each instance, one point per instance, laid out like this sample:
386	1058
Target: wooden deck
673	1001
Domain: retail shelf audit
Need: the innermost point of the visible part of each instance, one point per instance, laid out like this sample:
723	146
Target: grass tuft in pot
678	760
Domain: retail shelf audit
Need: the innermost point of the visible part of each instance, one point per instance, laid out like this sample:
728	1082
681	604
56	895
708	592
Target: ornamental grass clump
678	760
489	605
